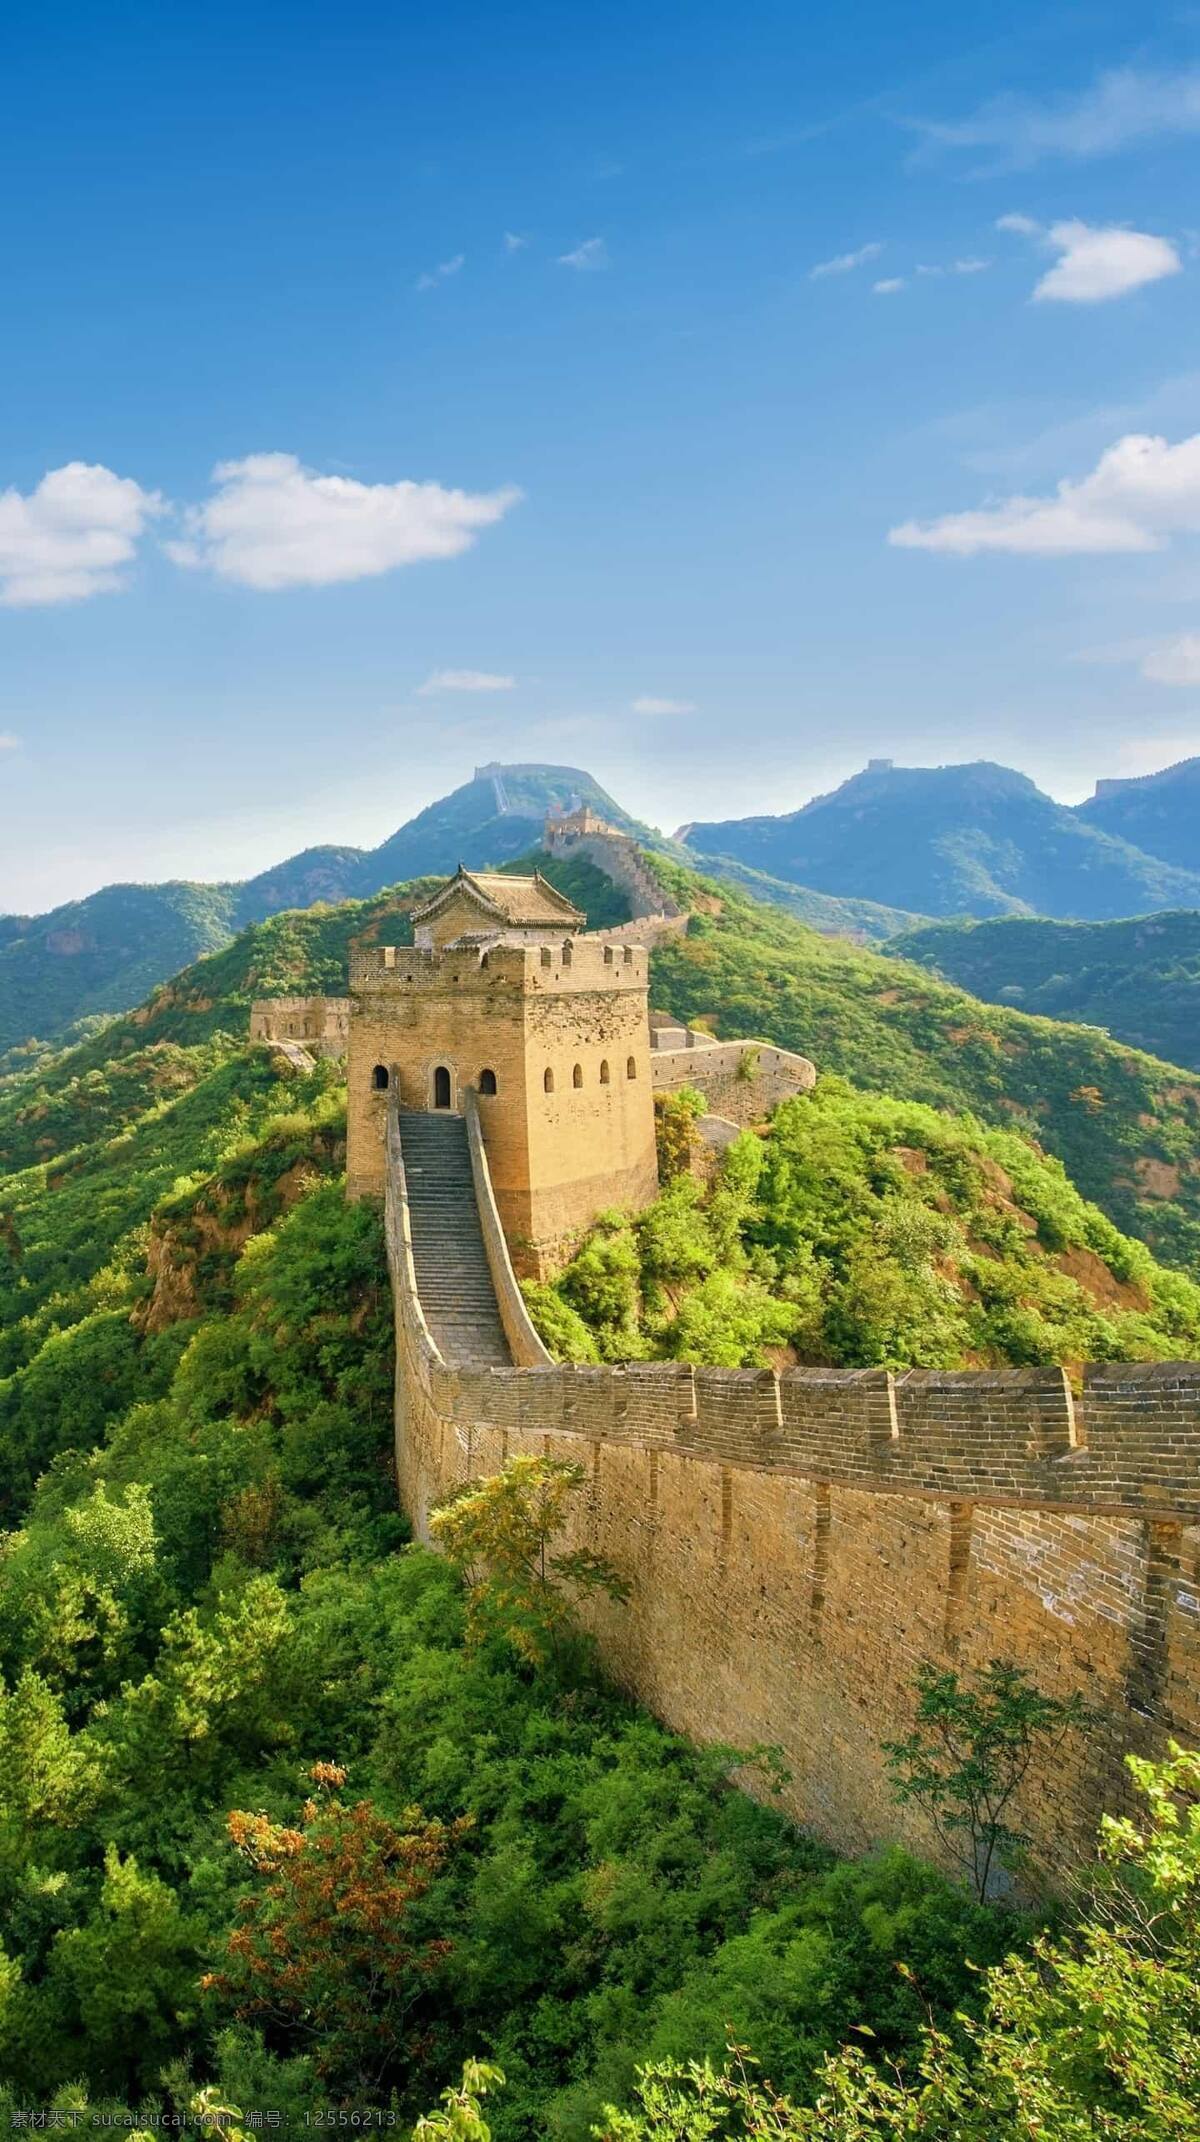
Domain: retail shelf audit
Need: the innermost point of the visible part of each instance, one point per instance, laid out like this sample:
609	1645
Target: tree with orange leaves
325	1957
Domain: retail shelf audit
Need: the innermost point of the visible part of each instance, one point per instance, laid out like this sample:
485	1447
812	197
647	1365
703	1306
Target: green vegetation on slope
1124	1125
206	1600
1138	979
106	953
862	1231
1159	812
864	920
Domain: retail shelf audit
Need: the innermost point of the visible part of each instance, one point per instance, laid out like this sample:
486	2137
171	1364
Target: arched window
487	1082
547	956
483	958
441	1087
604	1078
577	1075
567	953
380	1079
627	955
608	955
631	1067
548	1081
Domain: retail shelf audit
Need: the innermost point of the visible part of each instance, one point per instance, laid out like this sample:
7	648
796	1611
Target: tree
970	1752
1093	2038
675	1118
461	2117
500	1533
326	1958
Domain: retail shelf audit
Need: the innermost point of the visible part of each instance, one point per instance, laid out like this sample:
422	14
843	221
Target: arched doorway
441	1087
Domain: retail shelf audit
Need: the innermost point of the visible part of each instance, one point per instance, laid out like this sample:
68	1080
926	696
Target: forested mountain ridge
954	840
1123	1124
1139	979
1159	812
104	953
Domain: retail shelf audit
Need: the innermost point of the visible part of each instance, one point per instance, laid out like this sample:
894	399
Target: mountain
1123	1124
1139	979
1159	812
977	839
104	953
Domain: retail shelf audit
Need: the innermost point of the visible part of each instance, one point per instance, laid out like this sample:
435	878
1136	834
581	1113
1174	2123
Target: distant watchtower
502	996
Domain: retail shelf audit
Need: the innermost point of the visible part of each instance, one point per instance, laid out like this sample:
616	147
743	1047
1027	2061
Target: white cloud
1123	106
888	285
1095	264
845	263
1177	661
1141	492
8	742
592	253
464	680
1024	226
272	523
514	242
70	537
648	704
442	273
970	266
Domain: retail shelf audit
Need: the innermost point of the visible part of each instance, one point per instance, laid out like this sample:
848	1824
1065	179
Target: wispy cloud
9	742
1124	106
889	285
845	263
515	242
464	680
648	704
970	266
442	273
1140	494
1176	661
272	523
71	536
592	253
1095	262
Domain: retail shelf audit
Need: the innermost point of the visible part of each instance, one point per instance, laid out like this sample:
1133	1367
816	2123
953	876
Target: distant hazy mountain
953	840
1140	980
1159	812
104	953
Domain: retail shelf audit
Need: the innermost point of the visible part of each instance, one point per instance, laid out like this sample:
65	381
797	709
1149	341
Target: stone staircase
454	1281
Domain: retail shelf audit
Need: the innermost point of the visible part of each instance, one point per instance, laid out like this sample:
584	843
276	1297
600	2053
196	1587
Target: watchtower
501	995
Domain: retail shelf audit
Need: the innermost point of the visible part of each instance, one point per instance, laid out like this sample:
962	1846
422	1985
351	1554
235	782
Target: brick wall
798	1544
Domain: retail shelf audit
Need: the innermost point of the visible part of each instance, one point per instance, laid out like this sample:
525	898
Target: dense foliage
1124	1125
1139	980
859	1231
976	839
207	1614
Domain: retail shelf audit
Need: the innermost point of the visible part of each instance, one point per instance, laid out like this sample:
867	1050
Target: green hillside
104	954
858	1231
866	921
1123	1123
1139	979
953	840
209	1615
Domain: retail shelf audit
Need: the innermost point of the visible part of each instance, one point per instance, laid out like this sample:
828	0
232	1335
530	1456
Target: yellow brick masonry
798	1544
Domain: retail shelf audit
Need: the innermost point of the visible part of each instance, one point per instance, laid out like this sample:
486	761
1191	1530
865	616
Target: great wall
797	1543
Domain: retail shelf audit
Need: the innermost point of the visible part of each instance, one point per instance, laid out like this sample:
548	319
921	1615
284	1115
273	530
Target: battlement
1130	1443
488	962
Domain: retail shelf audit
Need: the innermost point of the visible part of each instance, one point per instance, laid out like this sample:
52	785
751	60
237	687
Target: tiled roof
521	903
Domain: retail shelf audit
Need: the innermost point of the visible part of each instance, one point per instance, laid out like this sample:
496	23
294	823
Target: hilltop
1123	1124
1159	812
1139	979
103	954
977	839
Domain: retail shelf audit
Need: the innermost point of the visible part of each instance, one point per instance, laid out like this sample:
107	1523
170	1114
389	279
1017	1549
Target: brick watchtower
501	995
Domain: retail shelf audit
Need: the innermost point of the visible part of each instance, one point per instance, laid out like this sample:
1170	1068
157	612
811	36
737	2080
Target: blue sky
560	412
